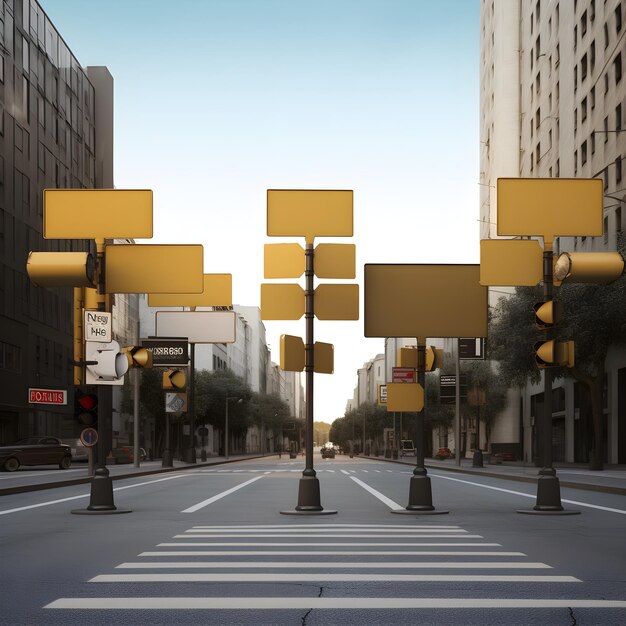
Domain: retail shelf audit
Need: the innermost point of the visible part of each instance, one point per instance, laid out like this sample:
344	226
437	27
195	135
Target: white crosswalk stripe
336	553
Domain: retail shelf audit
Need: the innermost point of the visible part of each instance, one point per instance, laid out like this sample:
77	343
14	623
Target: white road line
471	553
384	499
261	603
291	577
366	471
85	495
200	505
346	472
377	471
342	536
288	531
332	565
529	495
335	526
358	544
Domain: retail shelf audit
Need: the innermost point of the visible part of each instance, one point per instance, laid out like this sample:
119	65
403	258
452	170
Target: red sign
47	396
403	375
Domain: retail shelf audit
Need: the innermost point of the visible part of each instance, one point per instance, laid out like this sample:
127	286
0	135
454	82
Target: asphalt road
208	545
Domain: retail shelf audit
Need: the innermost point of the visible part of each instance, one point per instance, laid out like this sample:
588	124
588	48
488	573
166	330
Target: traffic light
106	364
546	314
138	356
554	353
426	359
589	267
174	379
85	407
433	359
61	269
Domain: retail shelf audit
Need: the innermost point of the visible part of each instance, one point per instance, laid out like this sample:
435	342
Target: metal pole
136	381
190	457
457	401
226	431
166	461
309	487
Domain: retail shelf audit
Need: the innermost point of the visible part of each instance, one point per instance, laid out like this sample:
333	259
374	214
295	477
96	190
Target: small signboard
382	394
447	389
47	396
97	326
167	352
175	402
403	375
471	348
89	437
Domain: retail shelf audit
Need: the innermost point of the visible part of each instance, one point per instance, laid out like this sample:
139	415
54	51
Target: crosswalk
365	567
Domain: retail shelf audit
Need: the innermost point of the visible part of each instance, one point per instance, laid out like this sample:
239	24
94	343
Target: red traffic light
88	402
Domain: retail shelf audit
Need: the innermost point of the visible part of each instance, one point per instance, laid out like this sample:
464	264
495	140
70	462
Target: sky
217	101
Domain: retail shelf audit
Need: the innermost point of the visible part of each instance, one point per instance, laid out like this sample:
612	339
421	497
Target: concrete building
56	131
552	105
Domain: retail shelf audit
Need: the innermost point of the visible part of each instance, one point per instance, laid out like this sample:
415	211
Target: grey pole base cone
166	460
309	499
101	498
420	498
548	499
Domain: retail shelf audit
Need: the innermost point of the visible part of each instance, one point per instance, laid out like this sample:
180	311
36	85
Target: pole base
101	496
420	496
477	459
167	460
309	498
548	497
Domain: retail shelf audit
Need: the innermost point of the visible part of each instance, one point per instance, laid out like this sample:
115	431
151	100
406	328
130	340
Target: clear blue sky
218	100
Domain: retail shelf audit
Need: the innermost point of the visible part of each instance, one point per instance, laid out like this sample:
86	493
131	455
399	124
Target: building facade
553	100
56	131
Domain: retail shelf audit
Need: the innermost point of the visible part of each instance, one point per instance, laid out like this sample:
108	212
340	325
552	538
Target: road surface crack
571	614
306	615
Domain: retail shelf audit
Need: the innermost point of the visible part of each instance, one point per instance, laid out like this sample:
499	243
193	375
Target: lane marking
333	526
332	565
288	531
331	553
342	536
528	495
384	499
359	544
347	473
219	496
85	495
260	603
325	577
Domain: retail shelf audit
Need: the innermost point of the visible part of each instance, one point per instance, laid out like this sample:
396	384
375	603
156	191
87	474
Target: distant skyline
217	101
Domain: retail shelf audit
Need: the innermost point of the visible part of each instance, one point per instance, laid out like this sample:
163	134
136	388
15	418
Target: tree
592	315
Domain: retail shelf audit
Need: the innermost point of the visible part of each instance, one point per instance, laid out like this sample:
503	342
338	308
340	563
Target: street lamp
239	401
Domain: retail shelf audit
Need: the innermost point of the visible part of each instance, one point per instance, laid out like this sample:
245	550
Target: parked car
35	451
123	454
78	449
444	453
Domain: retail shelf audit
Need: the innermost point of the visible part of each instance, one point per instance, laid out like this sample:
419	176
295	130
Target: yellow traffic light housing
61	269
554	354
589	267
174	379
546	314
138	356
433	359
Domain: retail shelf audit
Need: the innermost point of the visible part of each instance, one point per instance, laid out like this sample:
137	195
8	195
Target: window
583	110
592	97
606	129
592	56
558	56
538	152
618	18
575	161
617	65
618	219
583	68
557	170
606	35
618	170
538	47
618	117
592	10
538	83
583	153
575	36
575	120
592	141
575	77
606	84
583	24
537	117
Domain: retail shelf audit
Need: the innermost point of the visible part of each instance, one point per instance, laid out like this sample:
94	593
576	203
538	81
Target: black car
328	452
35	451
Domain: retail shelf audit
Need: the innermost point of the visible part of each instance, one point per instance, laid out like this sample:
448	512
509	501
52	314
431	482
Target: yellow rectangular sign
337	302
309	213
217	291
550	207
282	302
335	260
323	358
97	213
283	260
292	357
510	262
407	397
407	357
154	268
424	301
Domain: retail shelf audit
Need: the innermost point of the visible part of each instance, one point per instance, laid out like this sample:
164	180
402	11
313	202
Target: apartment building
552	106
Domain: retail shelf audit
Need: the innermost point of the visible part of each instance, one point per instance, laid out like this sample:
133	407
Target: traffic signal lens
88	402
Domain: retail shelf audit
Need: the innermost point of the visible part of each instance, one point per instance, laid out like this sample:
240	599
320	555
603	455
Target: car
35	451
79	451
328	451
123	454
444	453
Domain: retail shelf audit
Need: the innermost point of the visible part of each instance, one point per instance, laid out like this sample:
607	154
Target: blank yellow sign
323	358
154	268
283	260
282	302
335	260
510	262
337	302
217	291
424	301
405	397
97	213
292	356
407	357
550	207
309	213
